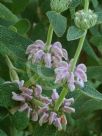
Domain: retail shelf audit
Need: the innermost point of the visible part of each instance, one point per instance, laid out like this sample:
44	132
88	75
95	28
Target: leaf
22	26
58	22
96	40
95	72
75	3
20	120
99	14
2	133
91	92
19	5
5	13
89	50
6	94
3	113
13	45
74	33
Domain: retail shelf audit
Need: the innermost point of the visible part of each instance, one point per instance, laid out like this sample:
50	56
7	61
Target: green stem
49	38
78	51
81	42
86	5
60	100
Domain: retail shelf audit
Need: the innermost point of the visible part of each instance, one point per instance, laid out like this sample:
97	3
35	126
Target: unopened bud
60	5
85	19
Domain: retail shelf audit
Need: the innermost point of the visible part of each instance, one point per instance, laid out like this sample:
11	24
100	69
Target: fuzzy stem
78	51
86	5
49	38
81	41
60	100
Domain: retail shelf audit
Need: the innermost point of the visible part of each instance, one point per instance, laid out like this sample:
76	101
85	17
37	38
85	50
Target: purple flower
17	97
78	77
47	60
68	109
34	116
43	119
38	91
52	117
36	53
55	95
23	107
68	102
58	124
62	72
57	50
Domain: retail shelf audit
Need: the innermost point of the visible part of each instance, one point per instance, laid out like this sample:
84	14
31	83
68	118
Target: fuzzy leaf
2	133
74	33
22	26
6	94
99	14
5	13
20	120
91	92
58	22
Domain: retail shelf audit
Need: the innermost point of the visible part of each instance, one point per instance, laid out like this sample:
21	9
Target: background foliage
21	23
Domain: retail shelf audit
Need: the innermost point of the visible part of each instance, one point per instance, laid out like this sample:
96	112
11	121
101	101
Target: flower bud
85	19
60	5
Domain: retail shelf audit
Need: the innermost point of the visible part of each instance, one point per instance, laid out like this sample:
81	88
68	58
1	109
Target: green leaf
19	5
22	26
75	3
5	13
58	22
74	33
91	92
95	72
20	120
99	14
6	94
2	133
89	50
13	45
96	40
3	113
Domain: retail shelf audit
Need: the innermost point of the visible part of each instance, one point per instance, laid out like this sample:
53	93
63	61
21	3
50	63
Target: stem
81	42
78	51
86	6
49	38
60	100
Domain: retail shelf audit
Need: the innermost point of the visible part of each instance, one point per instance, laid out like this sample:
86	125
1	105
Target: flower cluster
37	53
78	77
85	19
41	108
